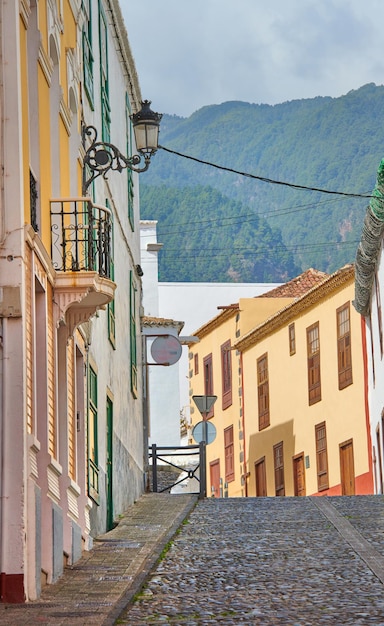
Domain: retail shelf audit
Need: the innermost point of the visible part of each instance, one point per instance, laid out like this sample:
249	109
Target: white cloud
190	54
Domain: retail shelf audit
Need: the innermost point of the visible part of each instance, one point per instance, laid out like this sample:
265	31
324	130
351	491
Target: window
128	124
278	458
87	52
229	454
313	352
33	196
226	374
111	305
292	339
263	391
344	357
321	457
133	334
104	78
93	469
196	364
208	379
379	318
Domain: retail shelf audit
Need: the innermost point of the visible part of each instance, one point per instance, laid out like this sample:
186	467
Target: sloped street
296	561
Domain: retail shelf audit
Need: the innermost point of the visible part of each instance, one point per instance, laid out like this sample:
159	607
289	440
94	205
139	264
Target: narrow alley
307	561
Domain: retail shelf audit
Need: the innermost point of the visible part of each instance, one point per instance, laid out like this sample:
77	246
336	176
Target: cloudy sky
190	53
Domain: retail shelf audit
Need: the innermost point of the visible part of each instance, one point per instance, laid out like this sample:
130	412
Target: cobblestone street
296	561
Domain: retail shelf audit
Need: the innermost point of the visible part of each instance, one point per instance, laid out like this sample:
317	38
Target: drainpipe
245	473
366	397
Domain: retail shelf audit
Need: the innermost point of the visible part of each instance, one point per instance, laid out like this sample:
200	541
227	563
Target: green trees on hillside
332	143
208	237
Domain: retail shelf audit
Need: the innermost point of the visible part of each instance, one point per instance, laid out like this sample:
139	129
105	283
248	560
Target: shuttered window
278	457
263	391
226	374
93	468
292	339
344	356
133	333
130	186
104	76
321	456
208	379
313	352
379	315
87	52
229	454
196	364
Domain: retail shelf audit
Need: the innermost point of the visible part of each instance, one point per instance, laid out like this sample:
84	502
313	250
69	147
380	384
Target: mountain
219	225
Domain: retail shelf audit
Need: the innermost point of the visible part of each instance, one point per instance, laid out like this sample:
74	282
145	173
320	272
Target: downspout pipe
245	473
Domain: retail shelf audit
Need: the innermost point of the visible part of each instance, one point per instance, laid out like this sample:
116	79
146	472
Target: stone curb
149	563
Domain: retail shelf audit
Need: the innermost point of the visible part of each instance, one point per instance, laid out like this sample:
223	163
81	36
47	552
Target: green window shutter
133	333
104	78
111	305
129	131
93	468
87	52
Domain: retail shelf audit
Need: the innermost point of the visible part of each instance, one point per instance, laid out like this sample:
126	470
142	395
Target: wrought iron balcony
81	236
81	246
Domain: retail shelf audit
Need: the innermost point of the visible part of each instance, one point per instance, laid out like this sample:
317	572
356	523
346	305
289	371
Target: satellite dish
166	350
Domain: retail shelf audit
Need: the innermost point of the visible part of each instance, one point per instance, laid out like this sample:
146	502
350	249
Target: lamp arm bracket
102	156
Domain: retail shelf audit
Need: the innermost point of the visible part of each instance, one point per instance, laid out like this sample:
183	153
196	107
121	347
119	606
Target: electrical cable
264	179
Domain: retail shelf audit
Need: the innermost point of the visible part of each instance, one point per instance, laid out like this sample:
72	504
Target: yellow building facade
72	443
299	412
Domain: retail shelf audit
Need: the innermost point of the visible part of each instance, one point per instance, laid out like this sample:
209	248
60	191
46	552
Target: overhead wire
265	179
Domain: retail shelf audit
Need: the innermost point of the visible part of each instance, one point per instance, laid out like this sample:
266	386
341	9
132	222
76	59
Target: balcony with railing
81	249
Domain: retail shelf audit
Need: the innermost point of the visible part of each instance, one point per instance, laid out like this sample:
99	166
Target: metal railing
81	236
187	473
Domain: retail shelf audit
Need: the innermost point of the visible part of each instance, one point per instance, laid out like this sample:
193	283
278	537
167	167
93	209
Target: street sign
166	350
204	403
204	431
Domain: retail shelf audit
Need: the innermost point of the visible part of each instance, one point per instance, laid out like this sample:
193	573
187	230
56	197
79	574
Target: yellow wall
256	310
222	418
292	420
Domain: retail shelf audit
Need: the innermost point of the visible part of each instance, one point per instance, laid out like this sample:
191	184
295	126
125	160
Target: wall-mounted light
101	156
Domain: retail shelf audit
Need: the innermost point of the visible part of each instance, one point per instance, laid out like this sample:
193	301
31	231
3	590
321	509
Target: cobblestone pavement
296	561
94	591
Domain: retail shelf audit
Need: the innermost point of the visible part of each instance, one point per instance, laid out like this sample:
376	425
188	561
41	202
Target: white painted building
369	295
192	303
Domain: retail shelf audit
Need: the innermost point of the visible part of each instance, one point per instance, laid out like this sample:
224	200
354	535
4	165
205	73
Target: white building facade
369	295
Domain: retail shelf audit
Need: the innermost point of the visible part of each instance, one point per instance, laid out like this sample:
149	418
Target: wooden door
347	469
299	474
214	470
261	478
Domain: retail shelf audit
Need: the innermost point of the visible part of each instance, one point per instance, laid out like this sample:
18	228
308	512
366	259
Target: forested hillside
221	226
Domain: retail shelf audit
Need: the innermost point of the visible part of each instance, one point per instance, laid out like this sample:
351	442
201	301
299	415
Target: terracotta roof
311	297
297	286
160	321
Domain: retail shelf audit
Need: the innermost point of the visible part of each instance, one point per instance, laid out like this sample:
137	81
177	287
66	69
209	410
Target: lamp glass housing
146	136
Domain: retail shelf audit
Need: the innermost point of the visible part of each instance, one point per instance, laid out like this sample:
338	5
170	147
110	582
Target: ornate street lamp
101	156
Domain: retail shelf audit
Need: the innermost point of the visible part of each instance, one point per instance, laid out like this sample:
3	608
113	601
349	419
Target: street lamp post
101	156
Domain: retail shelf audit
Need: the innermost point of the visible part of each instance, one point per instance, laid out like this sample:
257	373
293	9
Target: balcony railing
81	235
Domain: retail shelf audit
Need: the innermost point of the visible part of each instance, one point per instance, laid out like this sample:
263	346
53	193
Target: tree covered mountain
222	226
